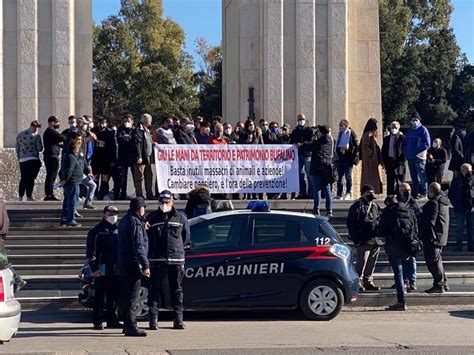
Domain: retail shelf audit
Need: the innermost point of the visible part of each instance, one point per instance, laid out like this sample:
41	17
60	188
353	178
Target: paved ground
371	331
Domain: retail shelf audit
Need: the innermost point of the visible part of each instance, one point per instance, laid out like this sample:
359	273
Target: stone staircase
49	257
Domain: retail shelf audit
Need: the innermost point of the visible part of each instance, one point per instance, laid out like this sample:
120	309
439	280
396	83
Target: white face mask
72	125
394	131
228	131
189	128
91	125
127	125
301	122
165	207
112	219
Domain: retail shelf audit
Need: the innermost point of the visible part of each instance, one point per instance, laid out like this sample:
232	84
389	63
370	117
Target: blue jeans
304	164
397	267
409	270
70	202
418	176
465	219
317	186
90	188
344	169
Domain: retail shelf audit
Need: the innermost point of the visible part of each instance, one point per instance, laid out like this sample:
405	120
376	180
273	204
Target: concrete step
48	269
46	249
40	240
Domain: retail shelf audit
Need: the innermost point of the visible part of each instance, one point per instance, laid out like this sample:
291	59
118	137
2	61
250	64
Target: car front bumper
10	314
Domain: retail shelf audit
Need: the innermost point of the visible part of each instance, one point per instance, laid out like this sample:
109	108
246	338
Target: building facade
317	57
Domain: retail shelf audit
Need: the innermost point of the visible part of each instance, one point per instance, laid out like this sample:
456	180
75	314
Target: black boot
153	323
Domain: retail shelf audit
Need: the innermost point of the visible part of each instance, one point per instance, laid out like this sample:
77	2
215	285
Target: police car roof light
259	206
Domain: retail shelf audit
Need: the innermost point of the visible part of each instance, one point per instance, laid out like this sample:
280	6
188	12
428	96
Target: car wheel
142	310
321	300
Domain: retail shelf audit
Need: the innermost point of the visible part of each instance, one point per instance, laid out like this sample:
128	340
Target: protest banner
232	168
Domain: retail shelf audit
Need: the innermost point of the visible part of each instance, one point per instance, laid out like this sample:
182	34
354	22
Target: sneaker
89	207
74	225
153	326
435	289
30	199
20	285
135	333
329	213
20	199
77	215
446	287
369	286
178	325
338	197
316	213
348	197
54	198
98	327
397	307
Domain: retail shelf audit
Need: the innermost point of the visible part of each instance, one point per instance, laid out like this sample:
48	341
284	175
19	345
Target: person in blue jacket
415	147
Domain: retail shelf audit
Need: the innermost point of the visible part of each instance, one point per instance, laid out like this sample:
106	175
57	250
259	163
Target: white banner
232	168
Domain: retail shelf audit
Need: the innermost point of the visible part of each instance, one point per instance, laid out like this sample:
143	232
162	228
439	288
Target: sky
203	18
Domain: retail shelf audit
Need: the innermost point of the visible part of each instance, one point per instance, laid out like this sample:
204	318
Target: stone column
27	62
272	54
1	74
306	59
337	61
62	58
82	60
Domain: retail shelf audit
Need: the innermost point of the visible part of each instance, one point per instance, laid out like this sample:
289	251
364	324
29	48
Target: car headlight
341	251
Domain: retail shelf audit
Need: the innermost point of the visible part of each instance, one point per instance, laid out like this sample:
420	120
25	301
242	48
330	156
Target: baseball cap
165	196
35	123
111	209
136	203
366	188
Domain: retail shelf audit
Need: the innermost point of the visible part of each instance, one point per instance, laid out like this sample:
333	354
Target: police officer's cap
111	209
137	203
166	196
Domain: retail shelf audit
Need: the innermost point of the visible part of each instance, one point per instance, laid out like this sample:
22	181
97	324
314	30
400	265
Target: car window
270	231
222	233
327	230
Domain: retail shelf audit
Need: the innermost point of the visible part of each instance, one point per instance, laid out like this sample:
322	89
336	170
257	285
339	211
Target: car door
211	263
277	247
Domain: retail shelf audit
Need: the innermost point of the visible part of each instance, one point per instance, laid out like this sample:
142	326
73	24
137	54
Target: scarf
343	139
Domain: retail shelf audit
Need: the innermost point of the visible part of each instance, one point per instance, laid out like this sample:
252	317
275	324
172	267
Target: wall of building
46	62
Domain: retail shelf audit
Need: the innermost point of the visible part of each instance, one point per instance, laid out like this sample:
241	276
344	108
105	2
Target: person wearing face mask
132	260
434	234
164	134
72	132
436	160
204	134
168	235
104	157
284	137
461	195
228	133
101	250
393	159
124	161
142	152
346	156
238	130
249	134
363	222
184	134
197	124
268	136
301	135
457	149
415	149
53	142
218	137
28	147
409	265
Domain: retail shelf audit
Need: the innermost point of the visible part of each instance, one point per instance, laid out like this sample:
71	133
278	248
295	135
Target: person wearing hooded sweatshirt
199	202
457	148
434	234
102	253
168	236
415	149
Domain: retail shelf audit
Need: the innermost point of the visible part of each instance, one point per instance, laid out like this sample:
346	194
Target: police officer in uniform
133	262
102	251
168	235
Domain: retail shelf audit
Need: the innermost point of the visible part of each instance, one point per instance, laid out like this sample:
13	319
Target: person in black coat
250	135
393	159
132	252
184	134
102	253
104	157
436	160
199	202
169	234
53	142
399	227
267	135
346	156
434	234
142	151
284	137
456	147
124	161
322	168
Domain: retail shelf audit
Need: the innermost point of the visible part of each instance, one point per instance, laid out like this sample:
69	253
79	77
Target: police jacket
168	235
132	244
461	193
103	227
398	225
435	225
102	240
363	222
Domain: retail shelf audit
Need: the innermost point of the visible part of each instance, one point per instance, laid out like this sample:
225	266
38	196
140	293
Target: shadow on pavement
462	314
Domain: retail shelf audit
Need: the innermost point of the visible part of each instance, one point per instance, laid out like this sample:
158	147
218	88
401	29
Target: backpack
406	225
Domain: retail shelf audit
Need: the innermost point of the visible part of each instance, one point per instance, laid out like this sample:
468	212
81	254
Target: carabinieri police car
257	258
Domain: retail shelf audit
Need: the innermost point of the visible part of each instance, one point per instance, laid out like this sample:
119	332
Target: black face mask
468	175
370	197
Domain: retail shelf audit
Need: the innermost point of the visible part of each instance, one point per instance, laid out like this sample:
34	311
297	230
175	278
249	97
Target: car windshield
327	230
